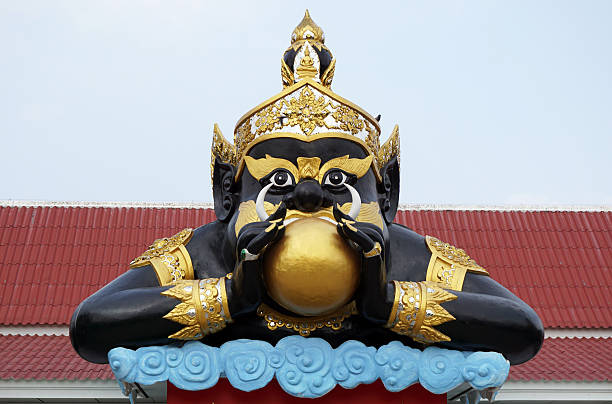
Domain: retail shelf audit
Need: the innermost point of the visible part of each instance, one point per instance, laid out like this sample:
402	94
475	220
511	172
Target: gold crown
306	109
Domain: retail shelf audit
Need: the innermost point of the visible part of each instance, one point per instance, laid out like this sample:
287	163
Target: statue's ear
389	189
224	189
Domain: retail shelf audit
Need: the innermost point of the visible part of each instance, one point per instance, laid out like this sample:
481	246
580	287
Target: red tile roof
588	359
52	357
45	357
51	258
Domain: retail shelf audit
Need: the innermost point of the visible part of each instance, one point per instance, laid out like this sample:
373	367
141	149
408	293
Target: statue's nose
308	196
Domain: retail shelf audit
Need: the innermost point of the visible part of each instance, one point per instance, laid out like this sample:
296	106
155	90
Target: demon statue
304	244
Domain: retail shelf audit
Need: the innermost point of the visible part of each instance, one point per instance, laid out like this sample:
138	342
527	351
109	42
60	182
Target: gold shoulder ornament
169	257
448	265
203	307
416	310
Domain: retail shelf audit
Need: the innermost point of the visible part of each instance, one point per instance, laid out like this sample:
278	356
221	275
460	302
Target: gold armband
448	265
169	257
203	308
416	309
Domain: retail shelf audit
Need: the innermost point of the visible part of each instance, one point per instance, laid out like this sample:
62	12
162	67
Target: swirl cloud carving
308	367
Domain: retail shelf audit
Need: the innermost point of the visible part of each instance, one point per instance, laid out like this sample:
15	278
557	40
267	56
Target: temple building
54	255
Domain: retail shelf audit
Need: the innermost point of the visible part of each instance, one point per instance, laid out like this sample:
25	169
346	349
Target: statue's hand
369	241
253	238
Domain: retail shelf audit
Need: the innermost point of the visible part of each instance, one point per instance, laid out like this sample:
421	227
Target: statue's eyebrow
357	167
259	168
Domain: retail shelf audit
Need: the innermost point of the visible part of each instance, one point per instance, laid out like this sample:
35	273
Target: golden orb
311	270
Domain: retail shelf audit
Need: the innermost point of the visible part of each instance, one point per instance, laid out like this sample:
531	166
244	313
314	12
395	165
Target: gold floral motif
305	325
169	257
348	119
416	310
308	111
242	140
203	307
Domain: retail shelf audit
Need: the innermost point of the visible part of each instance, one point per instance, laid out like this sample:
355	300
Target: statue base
375	393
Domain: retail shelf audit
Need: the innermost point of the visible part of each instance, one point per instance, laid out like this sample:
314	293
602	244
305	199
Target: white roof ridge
208	205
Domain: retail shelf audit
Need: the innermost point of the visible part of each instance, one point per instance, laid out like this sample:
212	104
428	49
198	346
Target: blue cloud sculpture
308	367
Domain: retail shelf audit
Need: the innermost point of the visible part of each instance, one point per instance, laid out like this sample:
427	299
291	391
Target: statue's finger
279	213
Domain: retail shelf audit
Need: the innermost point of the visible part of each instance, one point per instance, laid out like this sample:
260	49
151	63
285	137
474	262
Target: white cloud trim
38	329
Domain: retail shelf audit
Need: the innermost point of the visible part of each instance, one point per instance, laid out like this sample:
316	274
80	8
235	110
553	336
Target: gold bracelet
448	265
203	308
416	309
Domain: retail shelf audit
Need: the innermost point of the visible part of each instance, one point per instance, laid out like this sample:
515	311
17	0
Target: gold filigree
416	310
203	307
390	149
305	325
221	149
169	257
453	255
306	111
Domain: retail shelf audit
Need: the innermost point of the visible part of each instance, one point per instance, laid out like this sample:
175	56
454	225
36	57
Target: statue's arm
156	301
166	296
417	291
126	312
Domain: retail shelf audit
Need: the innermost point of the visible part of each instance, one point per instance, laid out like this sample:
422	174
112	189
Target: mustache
263	215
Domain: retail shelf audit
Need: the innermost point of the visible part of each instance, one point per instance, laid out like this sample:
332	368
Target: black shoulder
207	249
408	254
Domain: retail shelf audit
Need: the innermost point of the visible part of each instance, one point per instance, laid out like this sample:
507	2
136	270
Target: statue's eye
281	178
335	178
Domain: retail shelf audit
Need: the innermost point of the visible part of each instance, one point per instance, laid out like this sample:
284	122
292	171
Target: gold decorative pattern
221	149
308	167
286	74
416	310
305	325
390	149
448	264
202	309
169	257
369	213
328	76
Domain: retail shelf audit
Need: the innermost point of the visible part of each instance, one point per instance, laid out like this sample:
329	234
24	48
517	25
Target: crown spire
307	56
307	30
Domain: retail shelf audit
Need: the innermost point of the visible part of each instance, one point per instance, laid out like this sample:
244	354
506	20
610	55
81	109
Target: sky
497	102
